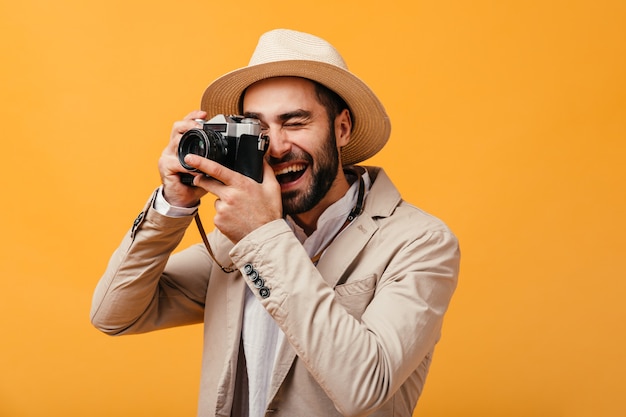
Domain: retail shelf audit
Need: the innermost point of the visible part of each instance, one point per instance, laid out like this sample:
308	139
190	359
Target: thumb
268	172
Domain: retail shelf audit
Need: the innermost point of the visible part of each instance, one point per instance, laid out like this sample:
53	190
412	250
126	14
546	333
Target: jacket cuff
159	221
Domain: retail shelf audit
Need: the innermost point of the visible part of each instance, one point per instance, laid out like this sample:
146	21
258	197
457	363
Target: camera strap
228	269
356	211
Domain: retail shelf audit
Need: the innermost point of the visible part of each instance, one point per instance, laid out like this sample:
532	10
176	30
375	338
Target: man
321	291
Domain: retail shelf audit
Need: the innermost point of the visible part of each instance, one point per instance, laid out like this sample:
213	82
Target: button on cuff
264	292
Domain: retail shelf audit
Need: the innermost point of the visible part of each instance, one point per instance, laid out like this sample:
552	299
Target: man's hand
175	192
242	204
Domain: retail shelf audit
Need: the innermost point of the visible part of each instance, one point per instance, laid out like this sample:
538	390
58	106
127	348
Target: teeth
290	168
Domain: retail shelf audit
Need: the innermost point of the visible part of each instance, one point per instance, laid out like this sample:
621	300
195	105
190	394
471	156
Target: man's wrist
163	207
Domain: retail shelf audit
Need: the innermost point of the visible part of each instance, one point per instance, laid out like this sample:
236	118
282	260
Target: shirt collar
331	219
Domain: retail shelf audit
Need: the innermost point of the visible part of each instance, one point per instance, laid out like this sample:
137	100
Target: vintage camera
233	141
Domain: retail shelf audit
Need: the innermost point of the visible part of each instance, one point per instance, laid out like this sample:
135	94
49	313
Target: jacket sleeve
378	348
143	287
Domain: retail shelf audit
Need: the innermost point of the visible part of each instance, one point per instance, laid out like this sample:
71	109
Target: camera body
236	142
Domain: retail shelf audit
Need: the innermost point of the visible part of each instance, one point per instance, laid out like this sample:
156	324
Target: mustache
291	156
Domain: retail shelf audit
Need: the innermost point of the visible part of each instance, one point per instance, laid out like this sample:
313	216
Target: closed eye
291	120
293	124
295	118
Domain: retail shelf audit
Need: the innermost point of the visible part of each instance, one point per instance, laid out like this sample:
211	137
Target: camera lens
195	142
207	144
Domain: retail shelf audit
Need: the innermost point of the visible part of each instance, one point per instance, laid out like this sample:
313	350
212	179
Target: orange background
509	122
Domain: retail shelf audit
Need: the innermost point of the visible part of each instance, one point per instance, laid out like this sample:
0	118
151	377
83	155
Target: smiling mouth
290	173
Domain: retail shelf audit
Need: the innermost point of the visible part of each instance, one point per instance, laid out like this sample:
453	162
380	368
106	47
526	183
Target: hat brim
370	124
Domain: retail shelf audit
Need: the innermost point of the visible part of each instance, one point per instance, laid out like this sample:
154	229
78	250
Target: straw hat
283	52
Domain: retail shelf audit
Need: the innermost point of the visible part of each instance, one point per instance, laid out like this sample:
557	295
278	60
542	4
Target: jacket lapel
380	202
342	252
284	362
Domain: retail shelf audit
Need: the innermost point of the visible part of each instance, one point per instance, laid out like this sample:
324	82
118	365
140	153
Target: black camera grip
186	179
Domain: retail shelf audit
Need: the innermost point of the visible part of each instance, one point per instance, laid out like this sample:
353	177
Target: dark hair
332	102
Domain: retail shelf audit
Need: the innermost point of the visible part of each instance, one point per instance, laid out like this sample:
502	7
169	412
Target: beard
323	174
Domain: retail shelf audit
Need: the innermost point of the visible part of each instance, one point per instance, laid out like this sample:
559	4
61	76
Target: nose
279	143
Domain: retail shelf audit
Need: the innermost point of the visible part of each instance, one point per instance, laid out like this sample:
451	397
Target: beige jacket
361	326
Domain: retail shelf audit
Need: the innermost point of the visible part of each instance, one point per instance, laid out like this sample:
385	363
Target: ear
343	128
